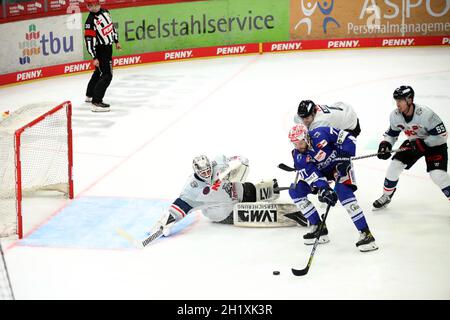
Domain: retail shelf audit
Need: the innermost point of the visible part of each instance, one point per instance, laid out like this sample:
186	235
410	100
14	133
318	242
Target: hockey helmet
306	108
403	92
298	133
202	167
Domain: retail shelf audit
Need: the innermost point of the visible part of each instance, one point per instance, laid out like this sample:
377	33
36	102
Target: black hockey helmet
306	108
403	92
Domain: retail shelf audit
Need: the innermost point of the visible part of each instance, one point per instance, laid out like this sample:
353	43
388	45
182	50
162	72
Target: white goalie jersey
338	115
217	196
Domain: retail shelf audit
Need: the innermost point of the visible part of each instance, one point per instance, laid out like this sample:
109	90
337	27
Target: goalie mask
299	136
202	167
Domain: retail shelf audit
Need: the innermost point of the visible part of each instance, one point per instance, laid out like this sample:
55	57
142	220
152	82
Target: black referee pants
102	76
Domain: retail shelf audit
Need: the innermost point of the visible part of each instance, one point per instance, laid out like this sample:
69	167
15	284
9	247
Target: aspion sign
319	19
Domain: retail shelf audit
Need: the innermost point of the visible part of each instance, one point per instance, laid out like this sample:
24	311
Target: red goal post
36	155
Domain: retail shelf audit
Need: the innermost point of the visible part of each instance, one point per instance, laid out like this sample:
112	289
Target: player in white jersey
427	136
338	115
215	187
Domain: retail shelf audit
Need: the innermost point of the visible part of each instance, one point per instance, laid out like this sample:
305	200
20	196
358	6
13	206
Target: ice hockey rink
129	164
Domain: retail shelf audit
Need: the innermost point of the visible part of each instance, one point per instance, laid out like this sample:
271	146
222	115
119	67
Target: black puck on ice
276	273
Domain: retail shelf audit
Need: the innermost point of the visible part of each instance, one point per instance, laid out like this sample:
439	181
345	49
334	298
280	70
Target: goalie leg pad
263	214
267	190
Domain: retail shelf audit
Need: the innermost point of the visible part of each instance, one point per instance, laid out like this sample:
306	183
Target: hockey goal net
35	157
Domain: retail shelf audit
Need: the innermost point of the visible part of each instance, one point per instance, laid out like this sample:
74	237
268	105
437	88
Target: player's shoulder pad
395	116
301	159
430	118
319	136
423	111
317	132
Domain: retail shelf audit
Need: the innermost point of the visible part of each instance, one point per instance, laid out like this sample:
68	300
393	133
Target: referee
99	34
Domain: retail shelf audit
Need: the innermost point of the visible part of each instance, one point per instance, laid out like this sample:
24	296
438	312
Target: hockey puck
276	273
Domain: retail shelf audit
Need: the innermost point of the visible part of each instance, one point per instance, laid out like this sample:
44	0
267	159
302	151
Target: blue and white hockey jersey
318	164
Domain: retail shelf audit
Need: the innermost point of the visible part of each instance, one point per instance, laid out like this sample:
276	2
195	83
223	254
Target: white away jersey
425	124
339	115
215	200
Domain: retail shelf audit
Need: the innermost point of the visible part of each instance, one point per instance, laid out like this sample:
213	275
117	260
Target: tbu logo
30	46
35	43
308	10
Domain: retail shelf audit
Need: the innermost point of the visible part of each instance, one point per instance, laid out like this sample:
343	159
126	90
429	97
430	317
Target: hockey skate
383	201
310	237
100	107
366	241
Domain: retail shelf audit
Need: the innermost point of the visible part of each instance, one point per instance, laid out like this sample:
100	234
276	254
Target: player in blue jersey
315	157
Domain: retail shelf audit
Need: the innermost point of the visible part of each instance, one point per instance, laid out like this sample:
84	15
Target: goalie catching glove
236	170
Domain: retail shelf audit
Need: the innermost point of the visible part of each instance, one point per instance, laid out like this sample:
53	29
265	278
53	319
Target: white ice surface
165	114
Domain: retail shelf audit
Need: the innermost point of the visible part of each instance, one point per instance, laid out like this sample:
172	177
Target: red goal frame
17	143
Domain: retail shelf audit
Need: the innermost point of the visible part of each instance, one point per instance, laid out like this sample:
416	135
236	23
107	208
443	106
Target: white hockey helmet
299	133
202	167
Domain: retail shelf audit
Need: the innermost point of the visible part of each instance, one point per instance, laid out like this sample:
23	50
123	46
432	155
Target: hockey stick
281	188
6	273
140	244
372	155
285	167
302	272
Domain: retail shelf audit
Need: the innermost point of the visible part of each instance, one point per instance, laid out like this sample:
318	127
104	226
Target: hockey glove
343	168
415	147
418	146
384	150
328	196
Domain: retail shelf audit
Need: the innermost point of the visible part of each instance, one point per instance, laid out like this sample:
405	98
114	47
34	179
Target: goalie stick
140	244
302	272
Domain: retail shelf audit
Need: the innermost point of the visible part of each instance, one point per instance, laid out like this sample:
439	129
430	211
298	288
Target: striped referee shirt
99	30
